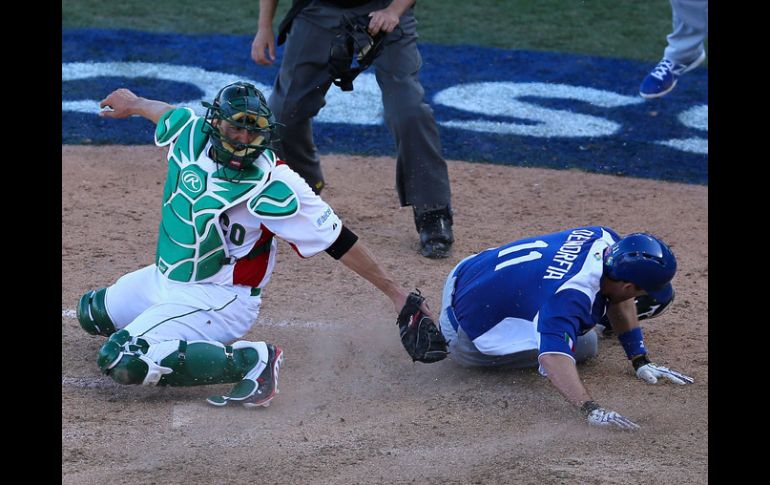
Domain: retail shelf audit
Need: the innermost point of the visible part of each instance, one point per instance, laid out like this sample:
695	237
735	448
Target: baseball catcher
419	335
227	199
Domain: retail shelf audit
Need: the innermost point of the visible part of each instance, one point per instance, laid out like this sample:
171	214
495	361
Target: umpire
309	29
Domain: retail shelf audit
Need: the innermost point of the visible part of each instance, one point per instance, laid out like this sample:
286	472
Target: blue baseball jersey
535	293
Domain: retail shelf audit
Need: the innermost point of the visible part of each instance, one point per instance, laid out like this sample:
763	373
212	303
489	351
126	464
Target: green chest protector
191	246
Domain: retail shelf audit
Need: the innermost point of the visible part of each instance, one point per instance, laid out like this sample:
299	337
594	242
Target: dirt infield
352	407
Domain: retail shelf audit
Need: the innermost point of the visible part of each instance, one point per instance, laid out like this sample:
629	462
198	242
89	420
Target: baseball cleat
218	401
435	229
255	393
663	78
267	382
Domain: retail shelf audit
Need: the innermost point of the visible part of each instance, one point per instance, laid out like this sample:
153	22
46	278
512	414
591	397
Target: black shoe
435	228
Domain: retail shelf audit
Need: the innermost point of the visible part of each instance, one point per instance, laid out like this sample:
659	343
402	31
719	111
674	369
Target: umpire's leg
422	179
299	90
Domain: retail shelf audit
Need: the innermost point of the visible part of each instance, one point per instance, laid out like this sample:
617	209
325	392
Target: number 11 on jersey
530	256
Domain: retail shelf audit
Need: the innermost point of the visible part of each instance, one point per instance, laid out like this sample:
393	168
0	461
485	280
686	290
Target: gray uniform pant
464	352
690	28
422	178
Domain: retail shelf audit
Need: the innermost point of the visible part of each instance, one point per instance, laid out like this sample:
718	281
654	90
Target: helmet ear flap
646	307
649	307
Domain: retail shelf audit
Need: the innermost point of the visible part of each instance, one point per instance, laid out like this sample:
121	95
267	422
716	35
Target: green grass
631	29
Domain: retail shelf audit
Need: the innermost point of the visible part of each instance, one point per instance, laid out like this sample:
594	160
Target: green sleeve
171	124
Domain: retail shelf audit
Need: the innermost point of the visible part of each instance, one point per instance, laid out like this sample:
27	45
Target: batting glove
598	416
647	371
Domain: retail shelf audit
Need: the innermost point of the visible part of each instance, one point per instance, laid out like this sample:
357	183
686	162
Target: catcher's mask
353	50
645	261
242	105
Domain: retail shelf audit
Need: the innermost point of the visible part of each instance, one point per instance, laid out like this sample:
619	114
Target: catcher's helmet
645	261
242	105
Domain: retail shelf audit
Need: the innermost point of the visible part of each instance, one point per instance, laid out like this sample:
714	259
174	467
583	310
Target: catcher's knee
92	313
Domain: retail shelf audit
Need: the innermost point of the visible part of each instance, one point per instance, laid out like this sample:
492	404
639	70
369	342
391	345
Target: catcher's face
239	134
243	142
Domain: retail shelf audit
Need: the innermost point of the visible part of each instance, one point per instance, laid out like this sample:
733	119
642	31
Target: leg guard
197	363
130	360
122	358
92	314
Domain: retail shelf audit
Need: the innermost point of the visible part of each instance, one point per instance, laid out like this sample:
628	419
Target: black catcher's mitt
419	335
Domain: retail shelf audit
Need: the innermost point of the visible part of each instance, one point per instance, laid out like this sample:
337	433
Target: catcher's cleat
255	393
435	228
267	382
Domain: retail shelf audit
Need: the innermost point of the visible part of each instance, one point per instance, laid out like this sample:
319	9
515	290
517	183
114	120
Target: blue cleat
662	79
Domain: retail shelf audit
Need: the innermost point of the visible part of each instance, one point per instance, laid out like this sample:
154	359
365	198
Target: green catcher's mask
242	105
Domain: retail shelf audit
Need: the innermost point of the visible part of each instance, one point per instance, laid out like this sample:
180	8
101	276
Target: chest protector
191	246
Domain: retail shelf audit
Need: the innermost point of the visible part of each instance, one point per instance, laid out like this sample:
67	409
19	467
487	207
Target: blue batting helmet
645	261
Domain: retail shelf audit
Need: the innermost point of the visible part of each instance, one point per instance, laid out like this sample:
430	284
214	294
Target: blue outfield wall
511	107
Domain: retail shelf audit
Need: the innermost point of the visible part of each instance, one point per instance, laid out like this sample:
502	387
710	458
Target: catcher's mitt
419	335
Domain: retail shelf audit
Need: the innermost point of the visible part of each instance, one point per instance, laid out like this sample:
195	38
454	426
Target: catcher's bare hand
118	104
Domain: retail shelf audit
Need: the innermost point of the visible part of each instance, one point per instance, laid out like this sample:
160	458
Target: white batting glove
649	372
598	416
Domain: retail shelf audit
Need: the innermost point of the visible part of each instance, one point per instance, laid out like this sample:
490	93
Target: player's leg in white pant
106	310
